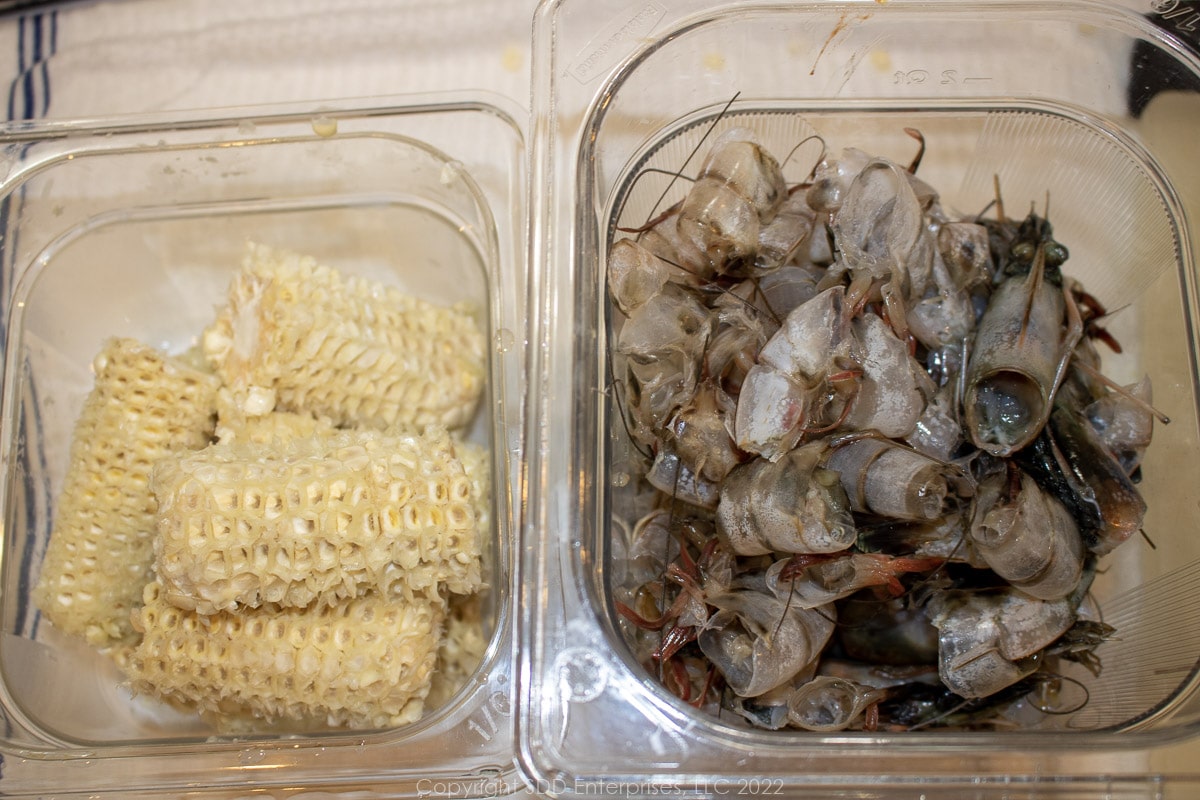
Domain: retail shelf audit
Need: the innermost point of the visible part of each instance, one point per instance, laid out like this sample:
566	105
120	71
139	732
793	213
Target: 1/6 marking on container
1184	18
487	724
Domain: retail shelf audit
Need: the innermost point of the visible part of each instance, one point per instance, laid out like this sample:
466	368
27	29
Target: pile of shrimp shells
875	458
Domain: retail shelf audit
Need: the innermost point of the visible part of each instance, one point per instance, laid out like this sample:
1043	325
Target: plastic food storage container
134	227
1053	100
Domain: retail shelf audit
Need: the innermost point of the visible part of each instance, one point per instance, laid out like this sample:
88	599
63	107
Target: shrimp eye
1056	254
1023	251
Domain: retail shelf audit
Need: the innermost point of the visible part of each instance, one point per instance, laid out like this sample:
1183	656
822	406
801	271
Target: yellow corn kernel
142	407
319	519
300	337
461	650
361	663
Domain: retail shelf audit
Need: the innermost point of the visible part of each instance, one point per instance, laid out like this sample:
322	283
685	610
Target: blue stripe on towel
28	98
37	41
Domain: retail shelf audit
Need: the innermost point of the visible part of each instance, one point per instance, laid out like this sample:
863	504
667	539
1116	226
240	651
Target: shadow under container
1052	100
134	227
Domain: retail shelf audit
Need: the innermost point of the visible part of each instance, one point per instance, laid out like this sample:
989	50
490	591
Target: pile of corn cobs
316	564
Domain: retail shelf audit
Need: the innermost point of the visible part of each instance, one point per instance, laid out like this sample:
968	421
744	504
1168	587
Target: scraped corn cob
462	646
301	336
271	428
475	461
461	649
362	663
318	519
142	407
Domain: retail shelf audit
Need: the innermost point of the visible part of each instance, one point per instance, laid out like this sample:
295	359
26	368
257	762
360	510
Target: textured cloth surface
90	59
93	58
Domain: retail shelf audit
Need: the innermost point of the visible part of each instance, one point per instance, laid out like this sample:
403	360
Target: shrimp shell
784	236
700	435
938	432
676	479
946	316
769	710
778	391
884	478
1019	359
739	189
789	506
832	179
634	275
663	343
1032	542
827	704
965	254
880	221
759	643
989	641
771	411
892	394
808	340
1098	479
1124	423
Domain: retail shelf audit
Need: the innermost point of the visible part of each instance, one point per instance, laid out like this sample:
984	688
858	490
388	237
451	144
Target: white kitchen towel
96	58
113	57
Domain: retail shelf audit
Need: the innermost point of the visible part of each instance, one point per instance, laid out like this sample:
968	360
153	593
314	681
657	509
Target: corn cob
320	519
475	461
361	663
461	650
462	646
271	428
297	336
459	655
142	407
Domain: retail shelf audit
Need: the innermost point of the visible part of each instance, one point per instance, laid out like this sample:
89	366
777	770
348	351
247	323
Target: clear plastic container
133	227
1051	98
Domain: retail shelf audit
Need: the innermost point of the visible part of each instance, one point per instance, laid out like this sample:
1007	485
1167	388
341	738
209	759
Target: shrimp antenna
916	162
1122	391
787	606
712	126
662	634
960	383
847	407
622	409
1037	274
629	193
766	301
708	685
985	209
930	579
999	199
726	292
801	143
1047	709
650	224
939	717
